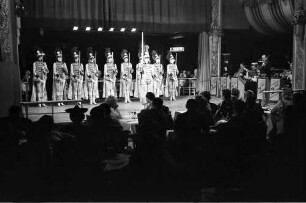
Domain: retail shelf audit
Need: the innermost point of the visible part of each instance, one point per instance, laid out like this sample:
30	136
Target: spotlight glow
88	28
111	29
133	30
75	27
100	29
122	29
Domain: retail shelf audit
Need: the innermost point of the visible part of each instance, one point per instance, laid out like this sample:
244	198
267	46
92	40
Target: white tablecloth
129	124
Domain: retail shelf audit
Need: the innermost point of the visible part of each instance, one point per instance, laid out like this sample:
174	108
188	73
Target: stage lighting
88	28
111	29
133	30
122	29
100	29
75	28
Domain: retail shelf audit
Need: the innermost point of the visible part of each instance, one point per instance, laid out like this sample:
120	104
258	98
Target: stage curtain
159	16
203	77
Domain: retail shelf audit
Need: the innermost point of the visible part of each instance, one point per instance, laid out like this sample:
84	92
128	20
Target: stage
60	116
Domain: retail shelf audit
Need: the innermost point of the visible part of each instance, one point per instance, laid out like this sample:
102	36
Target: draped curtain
148	15
203	77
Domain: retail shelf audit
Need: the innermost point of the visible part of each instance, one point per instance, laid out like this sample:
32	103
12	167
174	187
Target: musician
265	68
158	74
146	82
171	79
242	72
59	78
126	76
110	73
76	76
139	67
40	72
91	91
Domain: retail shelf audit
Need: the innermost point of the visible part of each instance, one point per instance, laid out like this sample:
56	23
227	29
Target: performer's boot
62	104
90	101
58	104
44	105
93	100
39	105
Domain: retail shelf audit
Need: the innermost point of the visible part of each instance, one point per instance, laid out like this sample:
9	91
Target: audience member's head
201	102
149	97
287	93
14	113
191	105
157	103
45	123
226	94
111	101
235	94
250	97
76	114
96	114
206	95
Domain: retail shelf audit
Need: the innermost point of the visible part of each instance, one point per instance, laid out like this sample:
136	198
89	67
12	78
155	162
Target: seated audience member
112	102
278	111
149	98
238	103
76	128
214	107
225	109
151	140
204	109
183	74
49	153
159	106
190	128
13	128
154	121
104	139
190	125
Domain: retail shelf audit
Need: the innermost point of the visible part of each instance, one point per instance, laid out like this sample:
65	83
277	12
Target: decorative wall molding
299	45
215	41
6	49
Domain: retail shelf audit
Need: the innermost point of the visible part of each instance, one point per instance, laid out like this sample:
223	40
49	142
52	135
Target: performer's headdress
124	54
90	53
75	52
170	56
39	52
155	56
58	53
146	51
108	53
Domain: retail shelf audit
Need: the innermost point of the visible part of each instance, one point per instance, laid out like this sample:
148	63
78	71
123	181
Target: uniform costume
91	91
138	74
158	75
110	73
146	82
76	77
171	79
40	71
59	78
126	77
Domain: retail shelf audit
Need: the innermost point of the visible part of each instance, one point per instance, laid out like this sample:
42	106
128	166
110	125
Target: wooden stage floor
60	116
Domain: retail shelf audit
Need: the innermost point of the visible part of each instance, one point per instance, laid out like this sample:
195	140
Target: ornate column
9	70
299	45
215	41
